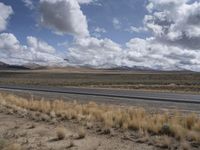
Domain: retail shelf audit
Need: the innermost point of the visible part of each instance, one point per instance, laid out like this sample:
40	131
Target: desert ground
57	125
121	79
47	121
19	133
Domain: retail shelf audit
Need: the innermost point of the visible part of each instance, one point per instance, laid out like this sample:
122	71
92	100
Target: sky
160	35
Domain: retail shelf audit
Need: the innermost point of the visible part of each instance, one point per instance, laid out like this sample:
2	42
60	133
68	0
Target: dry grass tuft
13	147
177	125
60	132
80	134
162	141
190	120
6	145
70	144
184	145
3	143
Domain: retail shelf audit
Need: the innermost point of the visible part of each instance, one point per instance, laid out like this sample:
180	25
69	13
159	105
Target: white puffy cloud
36	51
151	53
97	32
93	52
136	29
85	1
169	49
174	45
175	22
100	30
93	2
5	12
41	46
64	17
8	42
28	3
116	23
143	53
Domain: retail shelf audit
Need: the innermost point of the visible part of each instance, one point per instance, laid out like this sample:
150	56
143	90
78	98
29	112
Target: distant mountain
4	66
135	68
34	66
145	69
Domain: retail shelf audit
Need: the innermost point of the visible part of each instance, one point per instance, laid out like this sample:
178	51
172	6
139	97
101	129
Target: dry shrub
196	126
143	136
190	120
70	144
3	142
80	134
6	145
52	114
162	141
178	131
45	117
89	125
60	132
184	145
13	147
176	124
194	136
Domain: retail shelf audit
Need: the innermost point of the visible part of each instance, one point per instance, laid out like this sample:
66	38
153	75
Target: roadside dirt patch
31	135
57	125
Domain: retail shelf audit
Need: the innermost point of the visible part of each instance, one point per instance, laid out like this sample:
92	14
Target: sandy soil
32	135
22	129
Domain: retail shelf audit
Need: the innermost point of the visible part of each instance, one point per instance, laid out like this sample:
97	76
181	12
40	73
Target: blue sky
161	35
132	14
25	21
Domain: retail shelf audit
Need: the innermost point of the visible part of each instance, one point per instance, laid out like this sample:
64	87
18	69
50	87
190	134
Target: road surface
158	100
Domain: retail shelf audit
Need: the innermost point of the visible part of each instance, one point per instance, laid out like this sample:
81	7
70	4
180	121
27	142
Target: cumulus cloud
93	2
28	3
116	23
175	42
175	22
97	32
95	52
5	12
41	46
153	54
85	1
64	17
144	53
174	45
100	30
36	51
136	29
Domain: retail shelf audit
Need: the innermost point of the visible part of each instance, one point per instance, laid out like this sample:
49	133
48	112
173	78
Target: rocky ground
26	129
21	133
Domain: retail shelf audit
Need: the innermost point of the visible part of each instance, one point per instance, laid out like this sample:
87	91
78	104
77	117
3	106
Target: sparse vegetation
81	133
180	126
162	141
167	81
14	147
71	144
5	145
2	143
184	145
60	132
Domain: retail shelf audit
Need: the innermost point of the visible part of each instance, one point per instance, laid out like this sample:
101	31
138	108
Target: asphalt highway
112	93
